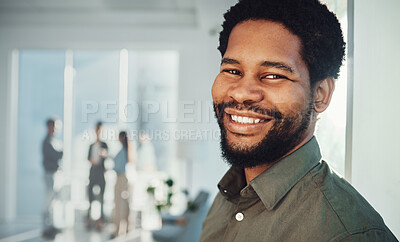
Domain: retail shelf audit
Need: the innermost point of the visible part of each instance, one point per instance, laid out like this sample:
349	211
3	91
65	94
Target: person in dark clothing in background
52	154
98	152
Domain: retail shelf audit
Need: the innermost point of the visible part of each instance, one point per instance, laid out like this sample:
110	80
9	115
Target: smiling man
280	59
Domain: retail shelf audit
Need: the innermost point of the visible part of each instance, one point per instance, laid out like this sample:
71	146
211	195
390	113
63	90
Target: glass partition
126	90
40	96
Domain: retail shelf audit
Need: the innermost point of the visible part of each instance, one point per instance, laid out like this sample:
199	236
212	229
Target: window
124	89
331	128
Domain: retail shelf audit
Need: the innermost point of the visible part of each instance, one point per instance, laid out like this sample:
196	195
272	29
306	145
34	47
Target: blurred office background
147	67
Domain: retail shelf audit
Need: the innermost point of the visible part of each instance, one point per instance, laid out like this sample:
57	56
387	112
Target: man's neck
253	172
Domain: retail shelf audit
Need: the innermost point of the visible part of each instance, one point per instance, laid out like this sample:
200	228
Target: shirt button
239	217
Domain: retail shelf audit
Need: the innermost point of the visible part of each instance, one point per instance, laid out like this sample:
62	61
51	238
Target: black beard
286	133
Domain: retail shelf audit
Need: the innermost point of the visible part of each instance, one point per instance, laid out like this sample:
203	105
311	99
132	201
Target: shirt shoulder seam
348	234
331	206
329	202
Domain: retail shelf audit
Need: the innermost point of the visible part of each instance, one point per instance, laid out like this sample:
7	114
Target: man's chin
243	141
242	148
240	154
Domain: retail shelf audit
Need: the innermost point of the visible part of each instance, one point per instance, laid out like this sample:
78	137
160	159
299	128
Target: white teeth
245	120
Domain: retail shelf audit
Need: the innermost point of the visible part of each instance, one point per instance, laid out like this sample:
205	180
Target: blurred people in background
52	154
97	154
121	192
146	157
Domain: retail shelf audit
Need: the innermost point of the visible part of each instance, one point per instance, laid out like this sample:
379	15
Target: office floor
30	232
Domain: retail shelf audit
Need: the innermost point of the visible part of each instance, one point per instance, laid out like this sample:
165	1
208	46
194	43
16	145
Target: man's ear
323	93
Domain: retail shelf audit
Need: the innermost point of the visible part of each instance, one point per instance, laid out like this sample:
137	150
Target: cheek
291	101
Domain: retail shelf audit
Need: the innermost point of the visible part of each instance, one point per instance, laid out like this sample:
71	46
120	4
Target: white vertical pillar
68	111
11	136
123	88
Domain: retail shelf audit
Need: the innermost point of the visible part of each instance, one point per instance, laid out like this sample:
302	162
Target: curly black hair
323	46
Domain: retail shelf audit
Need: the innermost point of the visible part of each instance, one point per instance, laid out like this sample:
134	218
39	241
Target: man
96	156
280	59
51	150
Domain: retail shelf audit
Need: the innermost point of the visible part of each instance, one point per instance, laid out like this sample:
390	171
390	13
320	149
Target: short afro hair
319	30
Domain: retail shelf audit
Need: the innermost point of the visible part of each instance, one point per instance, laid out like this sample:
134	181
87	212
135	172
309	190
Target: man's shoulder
352	210
46	140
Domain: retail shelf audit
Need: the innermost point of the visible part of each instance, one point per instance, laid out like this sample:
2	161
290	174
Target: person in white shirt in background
122	192
146	154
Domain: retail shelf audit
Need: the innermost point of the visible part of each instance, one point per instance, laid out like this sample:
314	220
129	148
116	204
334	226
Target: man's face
262	96
51	129
98	132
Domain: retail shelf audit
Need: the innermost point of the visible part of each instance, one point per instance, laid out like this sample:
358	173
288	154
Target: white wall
376	129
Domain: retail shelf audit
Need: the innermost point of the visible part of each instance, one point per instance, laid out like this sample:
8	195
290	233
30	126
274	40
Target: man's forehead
263	30
264	43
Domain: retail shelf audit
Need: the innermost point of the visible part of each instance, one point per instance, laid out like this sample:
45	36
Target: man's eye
274	76
233	72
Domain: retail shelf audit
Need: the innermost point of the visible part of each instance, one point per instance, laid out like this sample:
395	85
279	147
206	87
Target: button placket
239	216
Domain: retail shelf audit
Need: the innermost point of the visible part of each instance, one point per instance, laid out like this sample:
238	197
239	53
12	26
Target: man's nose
247	90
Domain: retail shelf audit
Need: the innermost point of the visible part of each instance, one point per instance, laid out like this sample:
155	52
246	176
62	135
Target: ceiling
206	14
91	13
96	5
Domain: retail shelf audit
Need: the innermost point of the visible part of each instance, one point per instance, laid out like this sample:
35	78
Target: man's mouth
246	120
246	117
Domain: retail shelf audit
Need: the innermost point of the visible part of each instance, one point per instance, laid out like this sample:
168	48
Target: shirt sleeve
50	153
371	235
90	152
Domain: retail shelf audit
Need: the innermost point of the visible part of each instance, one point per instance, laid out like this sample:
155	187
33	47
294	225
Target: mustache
220	107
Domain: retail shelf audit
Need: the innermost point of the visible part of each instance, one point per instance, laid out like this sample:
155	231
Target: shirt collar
274	183
232	183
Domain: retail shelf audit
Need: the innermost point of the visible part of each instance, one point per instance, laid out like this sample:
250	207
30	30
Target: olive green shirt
297	199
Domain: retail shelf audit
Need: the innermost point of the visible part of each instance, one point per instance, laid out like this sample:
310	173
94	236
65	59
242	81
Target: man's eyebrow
274	64
278	65
229	61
